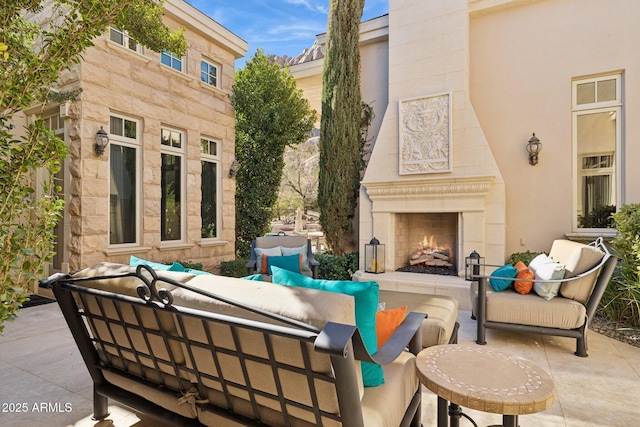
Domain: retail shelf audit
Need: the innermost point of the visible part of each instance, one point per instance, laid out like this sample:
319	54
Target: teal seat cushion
365	296
501	284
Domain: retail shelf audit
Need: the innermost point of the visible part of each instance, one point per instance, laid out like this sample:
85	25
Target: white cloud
314	6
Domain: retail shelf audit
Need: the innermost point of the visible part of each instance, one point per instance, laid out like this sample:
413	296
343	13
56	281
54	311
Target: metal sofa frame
341	343
607	266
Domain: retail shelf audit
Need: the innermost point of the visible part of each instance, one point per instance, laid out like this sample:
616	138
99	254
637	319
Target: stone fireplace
430	154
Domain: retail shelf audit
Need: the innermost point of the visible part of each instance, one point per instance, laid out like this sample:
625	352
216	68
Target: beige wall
523	59
116	80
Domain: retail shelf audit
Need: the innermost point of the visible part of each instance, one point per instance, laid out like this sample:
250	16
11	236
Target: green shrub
235	268
621	300
525	257
333	267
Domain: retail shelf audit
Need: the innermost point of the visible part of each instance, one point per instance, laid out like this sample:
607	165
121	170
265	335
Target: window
124	166
597	108
171	203
209	187
170	60
122	38
209	73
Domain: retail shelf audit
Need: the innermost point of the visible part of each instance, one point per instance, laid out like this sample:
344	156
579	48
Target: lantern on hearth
374	257
473	265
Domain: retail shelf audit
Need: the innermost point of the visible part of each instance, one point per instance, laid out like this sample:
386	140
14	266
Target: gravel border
618	331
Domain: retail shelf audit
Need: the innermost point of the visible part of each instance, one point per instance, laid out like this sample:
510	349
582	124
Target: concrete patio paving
43	381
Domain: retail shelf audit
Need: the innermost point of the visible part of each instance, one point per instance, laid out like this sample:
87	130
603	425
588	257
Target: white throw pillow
538	261
548	271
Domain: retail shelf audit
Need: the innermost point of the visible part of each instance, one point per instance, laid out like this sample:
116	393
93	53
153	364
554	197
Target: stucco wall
523	59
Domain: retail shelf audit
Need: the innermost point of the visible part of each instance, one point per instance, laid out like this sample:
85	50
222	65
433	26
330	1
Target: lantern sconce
534	146
374	257
233	169
474	265
102	140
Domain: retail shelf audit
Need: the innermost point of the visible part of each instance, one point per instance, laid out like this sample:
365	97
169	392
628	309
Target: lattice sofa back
208	366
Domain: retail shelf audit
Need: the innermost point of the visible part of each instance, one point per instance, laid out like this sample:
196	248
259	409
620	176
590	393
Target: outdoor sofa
567	287
213	350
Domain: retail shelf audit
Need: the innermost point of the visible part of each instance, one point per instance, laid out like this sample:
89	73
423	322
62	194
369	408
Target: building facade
459	87
160	190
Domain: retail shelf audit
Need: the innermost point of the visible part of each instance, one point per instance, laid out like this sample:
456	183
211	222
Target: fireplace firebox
427	243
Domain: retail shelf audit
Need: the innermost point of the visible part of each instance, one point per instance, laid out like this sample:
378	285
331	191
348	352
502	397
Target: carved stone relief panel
425	135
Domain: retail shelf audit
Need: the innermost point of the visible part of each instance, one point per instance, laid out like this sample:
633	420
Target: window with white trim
597	142
170	60
122	38
124	190
209	73
210	206
172	203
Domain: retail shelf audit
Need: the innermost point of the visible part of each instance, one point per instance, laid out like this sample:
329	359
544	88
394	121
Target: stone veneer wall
117	80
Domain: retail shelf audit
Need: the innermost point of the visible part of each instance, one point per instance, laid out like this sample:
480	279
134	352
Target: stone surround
430	154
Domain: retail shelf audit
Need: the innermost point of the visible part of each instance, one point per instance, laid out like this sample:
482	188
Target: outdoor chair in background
292	253
562	304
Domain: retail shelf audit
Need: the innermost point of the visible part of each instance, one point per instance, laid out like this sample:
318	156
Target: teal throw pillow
176	266
299	250
256	277
288	262
501	284
135	261
365	295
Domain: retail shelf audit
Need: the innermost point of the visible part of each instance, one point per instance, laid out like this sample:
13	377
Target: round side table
485	380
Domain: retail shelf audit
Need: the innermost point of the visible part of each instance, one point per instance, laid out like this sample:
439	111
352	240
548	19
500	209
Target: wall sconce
534	146
233	169
102	140
374	257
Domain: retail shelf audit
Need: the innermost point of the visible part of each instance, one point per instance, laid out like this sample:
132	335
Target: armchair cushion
365	295
577	258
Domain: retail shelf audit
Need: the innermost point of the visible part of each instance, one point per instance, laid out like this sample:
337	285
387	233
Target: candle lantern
474	263
374	257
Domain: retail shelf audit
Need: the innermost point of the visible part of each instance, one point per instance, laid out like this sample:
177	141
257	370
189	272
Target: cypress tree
340	137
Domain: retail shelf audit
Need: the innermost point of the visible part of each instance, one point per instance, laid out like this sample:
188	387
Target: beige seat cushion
442	313
385	405
577	258
530	309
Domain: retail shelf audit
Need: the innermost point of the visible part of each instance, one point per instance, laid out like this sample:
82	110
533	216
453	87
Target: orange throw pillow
524	272
387	321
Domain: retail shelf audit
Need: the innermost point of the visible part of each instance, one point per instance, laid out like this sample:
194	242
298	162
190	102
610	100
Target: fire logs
431	257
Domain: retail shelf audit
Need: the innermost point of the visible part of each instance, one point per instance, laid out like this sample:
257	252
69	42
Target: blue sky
281	27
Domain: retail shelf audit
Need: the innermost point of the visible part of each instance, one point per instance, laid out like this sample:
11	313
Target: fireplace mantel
384	195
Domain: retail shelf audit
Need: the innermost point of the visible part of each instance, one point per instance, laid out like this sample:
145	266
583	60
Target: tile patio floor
41	367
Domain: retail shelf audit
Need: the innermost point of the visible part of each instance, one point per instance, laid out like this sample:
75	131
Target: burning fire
430	244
